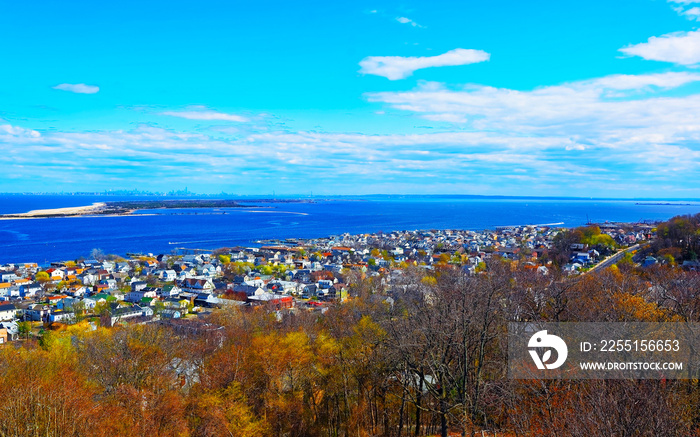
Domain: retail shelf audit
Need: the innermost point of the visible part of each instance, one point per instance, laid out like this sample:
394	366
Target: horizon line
178	193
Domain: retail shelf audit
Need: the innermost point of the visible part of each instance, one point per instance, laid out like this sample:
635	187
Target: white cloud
79	88
621	122
679	48
608	161
206	115
618	135
7	131
692	13
397	67
446	117
404	20
631	82
581	107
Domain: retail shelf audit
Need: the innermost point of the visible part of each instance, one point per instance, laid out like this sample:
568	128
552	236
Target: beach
59	212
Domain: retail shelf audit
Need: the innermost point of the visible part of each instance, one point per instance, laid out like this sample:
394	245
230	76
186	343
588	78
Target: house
170	314
286	287
170	291
309	290
9	292
175	303
56	274
649	261
188	296
76	290
89	303
36	312
122	267
206	300
197	285
196	259
29	290
8	276
273	301
111	283
103	297
210	270
7	312
136	295
100	288
12	329
66	303
125	313
88	278
117	294
166	275
249	290
120	277
302	275
582	257
138	285
61	316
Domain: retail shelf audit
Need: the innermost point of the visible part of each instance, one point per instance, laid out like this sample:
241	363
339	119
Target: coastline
126	208
75	211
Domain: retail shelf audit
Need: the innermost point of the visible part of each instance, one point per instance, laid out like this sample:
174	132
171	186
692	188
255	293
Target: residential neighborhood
274	275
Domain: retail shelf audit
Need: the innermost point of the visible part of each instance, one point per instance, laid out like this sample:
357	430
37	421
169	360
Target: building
7	312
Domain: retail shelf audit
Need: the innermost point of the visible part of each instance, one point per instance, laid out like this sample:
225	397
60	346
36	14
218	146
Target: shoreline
74	211
124	208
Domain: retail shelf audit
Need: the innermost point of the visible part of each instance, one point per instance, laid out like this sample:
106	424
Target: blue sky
515	98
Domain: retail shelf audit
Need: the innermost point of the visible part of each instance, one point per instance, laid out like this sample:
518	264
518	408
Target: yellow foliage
634	307
429	280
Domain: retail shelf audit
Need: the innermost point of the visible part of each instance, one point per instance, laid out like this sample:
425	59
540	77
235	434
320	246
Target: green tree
101	308
158	307
626	260
24	328
79	310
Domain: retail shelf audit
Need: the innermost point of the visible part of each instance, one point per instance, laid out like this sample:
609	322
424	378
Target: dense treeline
424	356
679	238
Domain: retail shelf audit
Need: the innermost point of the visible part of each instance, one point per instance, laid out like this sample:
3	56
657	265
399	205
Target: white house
62	316
8	276
170	291
166	275
136	296
7	312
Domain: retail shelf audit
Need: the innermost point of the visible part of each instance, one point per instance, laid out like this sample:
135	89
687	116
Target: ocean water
163	231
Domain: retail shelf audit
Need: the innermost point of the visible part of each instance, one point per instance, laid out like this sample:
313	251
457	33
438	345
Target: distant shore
95	208
123	208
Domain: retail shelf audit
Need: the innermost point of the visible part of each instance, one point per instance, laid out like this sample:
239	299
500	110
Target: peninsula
128	207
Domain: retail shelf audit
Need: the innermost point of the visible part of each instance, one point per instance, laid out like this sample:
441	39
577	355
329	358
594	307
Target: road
607	262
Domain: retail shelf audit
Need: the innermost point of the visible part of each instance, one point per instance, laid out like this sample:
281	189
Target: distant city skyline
582	99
